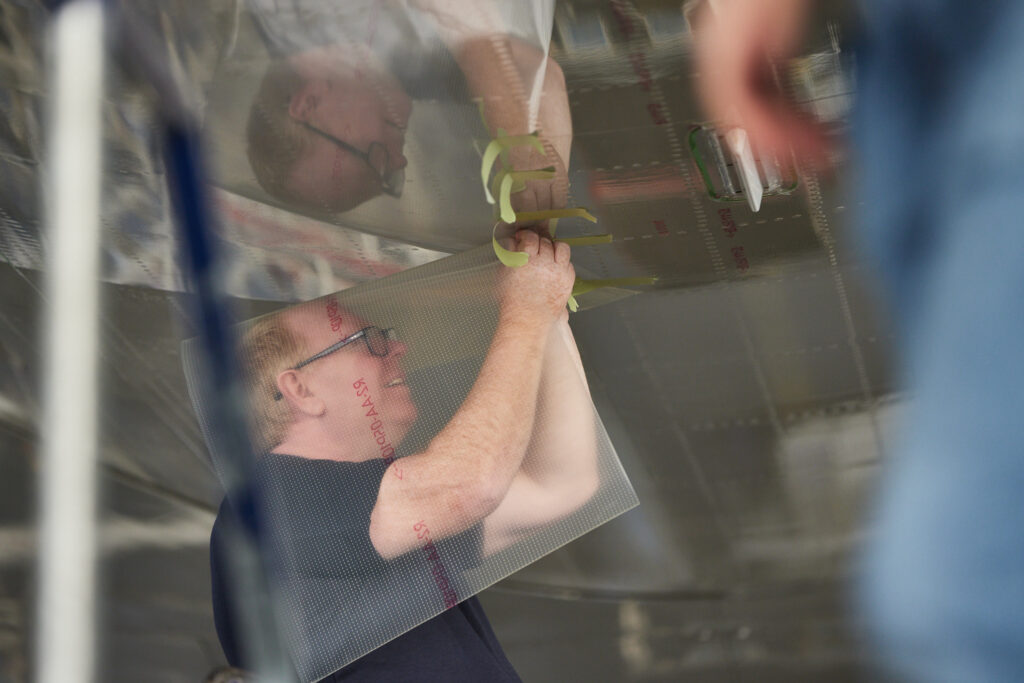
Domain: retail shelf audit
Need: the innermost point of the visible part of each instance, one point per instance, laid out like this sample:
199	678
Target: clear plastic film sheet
317	191
378	114
378	506
341	126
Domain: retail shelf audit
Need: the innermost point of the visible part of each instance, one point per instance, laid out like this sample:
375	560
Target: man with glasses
326	129
348	506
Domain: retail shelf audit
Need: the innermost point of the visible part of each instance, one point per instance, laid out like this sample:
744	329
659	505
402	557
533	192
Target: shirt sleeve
318	515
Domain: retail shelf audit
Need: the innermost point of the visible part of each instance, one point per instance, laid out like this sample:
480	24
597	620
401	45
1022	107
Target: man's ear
305	100
299	395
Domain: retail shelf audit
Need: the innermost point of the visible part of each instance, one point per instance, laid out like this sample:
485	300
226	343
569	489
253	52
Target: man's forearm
563	451
493	76
505	74
478	38
484	443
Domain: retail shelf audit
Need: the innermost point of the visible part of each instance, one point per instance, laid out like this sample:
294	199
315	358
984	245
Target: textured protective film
394	476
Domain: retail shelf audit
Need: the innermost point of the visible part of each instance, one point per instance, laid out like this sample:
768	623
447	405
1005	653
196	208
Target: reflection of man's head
326	130
314	371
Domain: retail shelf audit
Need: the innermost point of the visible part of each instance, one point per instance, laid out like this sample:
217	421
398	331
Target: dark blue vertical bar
224	396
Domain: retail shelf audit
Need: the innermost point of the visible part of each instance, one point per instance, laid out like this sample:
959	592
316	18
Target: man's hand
738	45
554	121
466	471
539	195
537	292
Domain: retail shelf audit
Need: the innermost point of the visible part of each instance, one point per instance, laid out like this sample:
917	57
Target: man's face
355	100
353	383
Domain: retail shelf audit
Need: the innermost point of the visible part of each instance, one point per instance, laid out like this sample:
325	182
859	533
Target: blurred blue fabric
940	128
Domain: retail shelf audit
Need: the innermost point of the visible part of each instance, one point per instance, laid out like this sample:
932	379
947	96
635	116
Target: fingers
531	242
546	250
542	195
738	48
562	252
528	241
523	201
529	197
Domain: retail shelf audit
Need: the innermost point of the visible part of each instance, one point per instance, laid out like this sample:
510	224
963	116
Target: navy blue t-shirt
325	507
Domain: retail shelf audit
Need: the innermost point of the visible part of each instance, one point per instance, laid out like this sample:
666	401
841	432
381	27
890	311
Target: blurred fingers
546	249
562	252
528	241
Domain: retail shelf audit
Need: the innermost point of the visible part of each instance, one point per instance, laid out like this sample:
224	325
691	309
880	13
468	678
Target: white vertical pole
65	640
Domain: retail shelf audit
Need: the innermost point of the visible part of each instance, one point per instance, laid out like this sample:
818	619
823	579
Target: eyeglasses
376	157
378	343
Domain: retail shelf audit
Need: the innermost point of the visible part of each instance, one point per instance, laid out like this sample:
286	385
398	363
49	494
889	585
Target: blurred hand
537	292
738	45
539	195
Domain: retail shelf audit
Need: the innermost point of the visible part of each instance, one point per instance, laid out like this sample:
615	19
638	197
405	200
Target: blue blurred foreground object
941	139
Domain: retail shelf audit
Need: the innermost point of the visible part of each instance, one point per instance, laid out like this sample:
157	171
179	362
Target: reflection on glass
326	129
